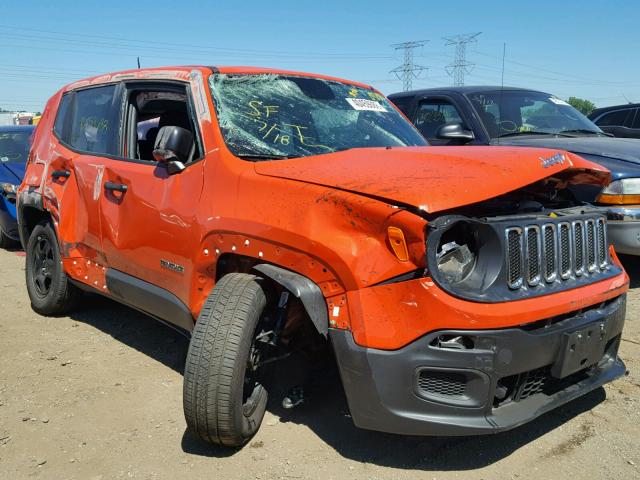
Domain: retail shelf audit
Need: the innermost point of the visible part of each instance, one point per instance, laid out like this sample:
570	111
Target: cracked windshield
265	117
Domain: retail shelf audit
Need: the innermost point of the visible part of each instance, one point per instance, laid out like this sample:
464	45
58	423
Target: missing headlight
464	255
456	254
455	261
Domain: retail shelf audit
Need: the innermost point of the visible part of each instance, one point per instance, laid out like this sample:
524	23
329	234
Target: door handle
60	174
115	187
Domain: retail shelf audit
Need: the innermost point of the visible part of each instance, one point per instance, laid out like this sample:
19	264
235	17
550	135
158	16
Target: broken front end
519	309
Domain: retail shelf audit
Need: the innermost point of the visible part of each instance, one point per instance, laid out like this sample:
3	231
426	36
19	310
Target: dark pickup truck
520	117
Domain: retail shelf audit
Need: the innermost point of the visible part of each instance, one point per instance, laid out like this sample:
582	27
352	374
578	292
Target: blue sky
586	49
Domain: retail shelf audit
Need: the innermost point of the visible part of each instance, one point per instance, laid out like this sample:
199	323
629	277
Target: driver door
149	218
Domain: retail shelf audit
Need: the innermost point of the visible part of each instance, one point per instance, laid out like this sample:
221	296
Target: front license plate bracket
580	349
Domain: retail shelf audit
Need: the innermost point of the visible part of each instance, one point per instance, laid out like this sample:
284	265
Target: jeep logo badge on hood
557	159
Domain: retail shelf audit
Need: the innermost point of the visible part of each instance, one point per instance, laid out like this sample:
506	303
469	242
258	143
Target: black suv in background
619	120
520	117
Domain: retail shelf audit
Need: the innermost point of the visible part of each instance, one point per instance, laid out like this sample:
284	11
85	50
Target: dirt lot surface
98	395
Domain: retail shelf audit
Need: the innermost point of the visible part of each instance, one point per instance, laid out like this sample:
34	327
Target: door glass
94	125
613	119
433	114
636	121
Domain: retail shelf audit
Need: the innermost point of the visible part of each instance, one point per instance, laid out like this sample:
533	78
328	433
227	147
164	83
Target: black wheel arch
303	288
30	212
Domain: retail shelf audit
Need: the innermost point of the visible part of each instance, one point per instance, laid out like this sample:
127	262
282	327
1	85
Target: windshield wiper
266	156
586	130
533	132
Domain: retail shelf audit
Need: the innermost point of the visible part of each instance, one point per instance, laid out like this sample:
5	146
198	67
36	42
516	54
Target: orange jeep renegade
264	212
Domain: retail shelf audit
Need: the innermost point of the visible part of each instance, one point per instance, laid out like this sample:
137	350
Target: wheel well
232	263
298	325
30	217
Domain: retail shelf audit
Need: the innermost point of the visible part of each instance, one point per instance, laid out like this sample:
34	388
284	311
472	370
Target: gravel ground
98	395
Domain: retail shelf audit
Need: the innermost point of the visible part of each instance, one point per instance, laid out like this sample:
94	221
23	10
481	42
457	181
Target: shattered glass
269	116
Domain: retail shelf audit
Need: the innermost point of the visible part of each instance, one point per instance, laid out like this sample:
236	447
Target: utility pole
408	70
460	66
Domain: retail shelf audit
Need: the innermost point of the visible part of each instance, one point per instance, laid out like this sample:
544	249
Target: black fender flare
27	199
303	288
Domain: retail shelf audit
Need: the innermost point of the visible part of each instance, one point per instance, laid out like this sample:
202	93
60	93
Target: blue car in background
14	151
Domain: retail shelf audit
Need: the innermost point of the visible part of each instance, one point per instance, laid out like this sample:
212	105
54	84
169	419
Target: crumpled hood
433	178
627	149
11	172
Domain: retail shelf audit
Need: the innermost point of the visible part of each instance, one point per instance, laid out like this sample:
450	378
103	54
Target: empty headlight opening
457	252
467	255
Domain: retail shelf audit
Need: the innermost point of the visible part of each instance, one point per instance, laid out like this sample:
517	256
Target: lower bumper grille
447	384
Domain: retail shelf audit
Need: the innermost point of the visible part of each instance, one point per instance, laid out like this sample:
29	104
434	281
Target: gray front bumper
384	392
623	229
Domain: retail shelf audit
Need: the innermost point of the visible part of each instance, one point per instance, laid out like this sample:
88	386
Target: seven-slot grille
555	251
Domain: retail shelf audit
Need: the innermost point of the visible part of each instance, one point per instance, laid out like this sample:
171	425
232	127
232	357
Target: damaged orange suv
264	212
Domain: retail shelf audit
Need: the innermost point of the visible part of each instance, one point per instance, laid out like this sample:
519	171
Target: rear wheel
224	400
48	287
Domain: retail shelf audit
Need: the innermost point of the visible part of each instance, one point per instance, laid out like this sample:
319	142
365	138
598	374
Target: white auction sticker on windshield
557	101
364	104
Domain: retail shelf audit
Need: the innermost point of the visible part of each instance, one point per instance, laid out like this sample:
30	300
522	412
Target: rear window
92	125
613	119
62	116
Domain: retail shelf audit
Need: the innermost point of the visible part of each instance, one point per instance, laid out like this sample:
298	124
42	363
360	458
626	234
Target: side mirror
173	147
455	131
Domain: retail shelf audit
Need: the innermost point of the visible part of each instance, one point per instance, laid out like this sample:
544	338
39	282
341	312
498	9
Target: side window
432	114
94	125
613	119
403	103
636	120
150	109
62	118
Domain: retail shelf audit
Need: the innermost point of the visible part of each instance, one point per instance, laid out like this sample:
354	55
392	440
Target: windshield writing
273	116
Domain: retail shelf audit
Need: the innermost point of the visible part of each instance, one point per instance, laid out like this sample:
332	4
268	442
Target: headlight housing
8	188
466	253
621	192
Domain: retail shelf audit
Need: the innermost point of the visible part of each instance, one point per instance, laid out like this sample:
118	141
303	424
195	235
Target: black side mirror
454	131
173	147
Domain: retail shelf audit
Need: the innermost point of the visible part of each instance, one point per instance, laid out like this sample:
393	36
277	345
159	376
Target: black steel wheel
48	287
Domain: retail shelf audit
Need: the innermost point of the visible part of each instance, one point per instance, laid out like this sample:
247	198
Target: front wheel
224	401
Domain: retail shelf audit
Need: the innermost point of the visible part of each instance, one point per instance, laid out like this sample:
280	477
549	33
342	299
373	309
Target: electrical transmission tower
408	70
460	66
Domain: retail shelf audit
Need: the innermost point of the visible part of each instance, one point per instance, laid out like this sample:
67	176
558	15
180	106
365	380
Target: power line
408	70
130	43
460	66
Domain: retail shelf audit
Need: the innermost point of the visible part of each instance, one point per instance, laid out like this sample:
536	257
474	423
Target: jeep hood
434	179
